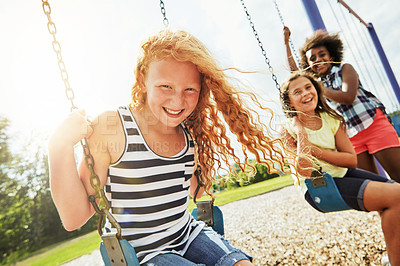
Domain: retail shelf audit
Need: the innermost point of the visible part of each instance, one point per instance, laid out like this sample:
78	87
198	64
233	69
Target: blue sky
100	38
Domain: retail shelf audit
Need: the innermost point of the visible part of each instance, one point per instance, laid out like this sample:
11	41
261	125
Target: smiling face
303	96
172	91
319	60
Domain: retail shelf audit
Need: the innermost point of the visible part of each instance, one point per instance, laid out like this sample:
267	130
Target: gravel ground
280	228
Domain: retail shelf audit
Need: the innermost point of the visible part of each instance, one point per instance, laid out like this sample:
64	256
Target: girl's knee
396	190
243	263
380	196
393	196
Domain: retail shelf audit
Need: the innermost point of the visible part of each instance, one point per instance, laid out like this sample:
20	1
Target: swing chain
274	78
290	39
94	179
163	12
57	49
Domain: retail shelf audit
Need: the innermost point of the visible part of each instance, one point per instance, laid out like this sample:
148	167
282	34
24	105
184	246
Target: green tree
42	222
10	195
28	217
262	173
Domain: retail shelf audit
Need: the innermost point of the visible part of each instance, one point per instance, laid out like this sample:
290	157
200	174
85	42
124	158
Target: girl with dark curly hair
368	125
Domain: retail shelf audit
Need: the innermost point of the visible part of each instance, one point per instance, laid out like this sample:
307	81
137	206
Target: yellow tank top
323	138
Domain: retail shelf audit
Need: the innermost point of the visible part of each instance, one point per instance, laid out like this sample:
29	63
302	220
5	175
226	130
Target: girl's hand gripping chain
73	129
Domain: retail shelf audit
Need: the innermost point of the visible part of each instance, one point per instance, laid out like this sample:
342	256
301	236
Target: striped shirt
148	195
361	113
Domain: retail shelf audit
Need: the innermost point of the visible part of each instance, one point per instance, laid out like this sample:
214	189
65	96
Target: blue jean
208	248
352	187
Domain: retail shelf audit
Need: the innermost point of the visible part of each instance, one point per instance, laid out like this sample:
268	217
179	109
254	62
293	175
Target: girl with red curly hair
145	153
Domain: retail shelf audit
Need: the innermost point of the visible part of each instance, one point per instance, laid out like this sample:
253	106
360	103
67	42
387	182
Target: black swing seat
325	194
211	215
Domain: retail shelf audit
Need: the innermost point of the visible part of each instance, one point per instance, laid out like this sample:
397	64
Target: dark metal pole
313	15
384	60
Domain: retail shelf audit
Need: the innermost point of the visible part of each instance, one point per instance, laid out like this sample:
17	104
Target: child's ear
141	82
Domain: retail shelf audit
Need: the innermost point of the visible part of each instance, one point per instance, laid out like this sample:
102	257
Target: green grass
247	191
85	244
66	251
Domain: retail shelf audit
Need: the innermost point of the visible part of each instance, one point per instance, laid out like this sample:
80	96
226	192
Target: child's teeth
172	112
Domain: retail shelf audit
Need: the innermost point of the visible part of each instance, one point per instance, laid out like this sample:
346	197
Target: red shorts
378	136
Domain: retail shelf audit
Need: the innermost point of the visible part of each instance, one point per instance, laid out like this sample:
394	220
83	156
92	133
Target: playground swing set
117	251
321	186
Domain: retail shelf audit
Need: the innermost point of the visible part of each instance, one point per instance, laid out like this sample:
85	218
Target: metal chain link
290	39
274	78
163	12
94	178
57	49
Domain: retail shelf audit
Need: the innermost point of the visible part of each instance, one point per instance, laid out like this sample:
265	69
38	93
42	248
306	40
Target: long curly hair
322	105
290	112
332	43
218	99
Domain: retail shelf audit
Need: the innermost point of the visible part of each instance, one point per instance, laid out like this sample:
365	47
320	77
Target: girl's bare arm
70	188
348	92
302	147
345	156
289	55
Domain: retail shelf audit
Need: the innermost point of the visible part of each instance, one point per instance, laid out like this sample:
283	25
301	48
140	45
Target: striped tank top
148	195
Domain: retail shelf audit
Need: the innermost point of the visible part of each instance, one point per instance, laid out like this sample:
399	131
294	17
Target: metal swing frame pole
384	61
379	50
313	15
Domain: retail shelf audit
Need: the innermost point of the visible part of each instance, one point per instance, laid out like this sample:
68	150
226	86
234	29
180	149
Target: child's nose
319	58
178	99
